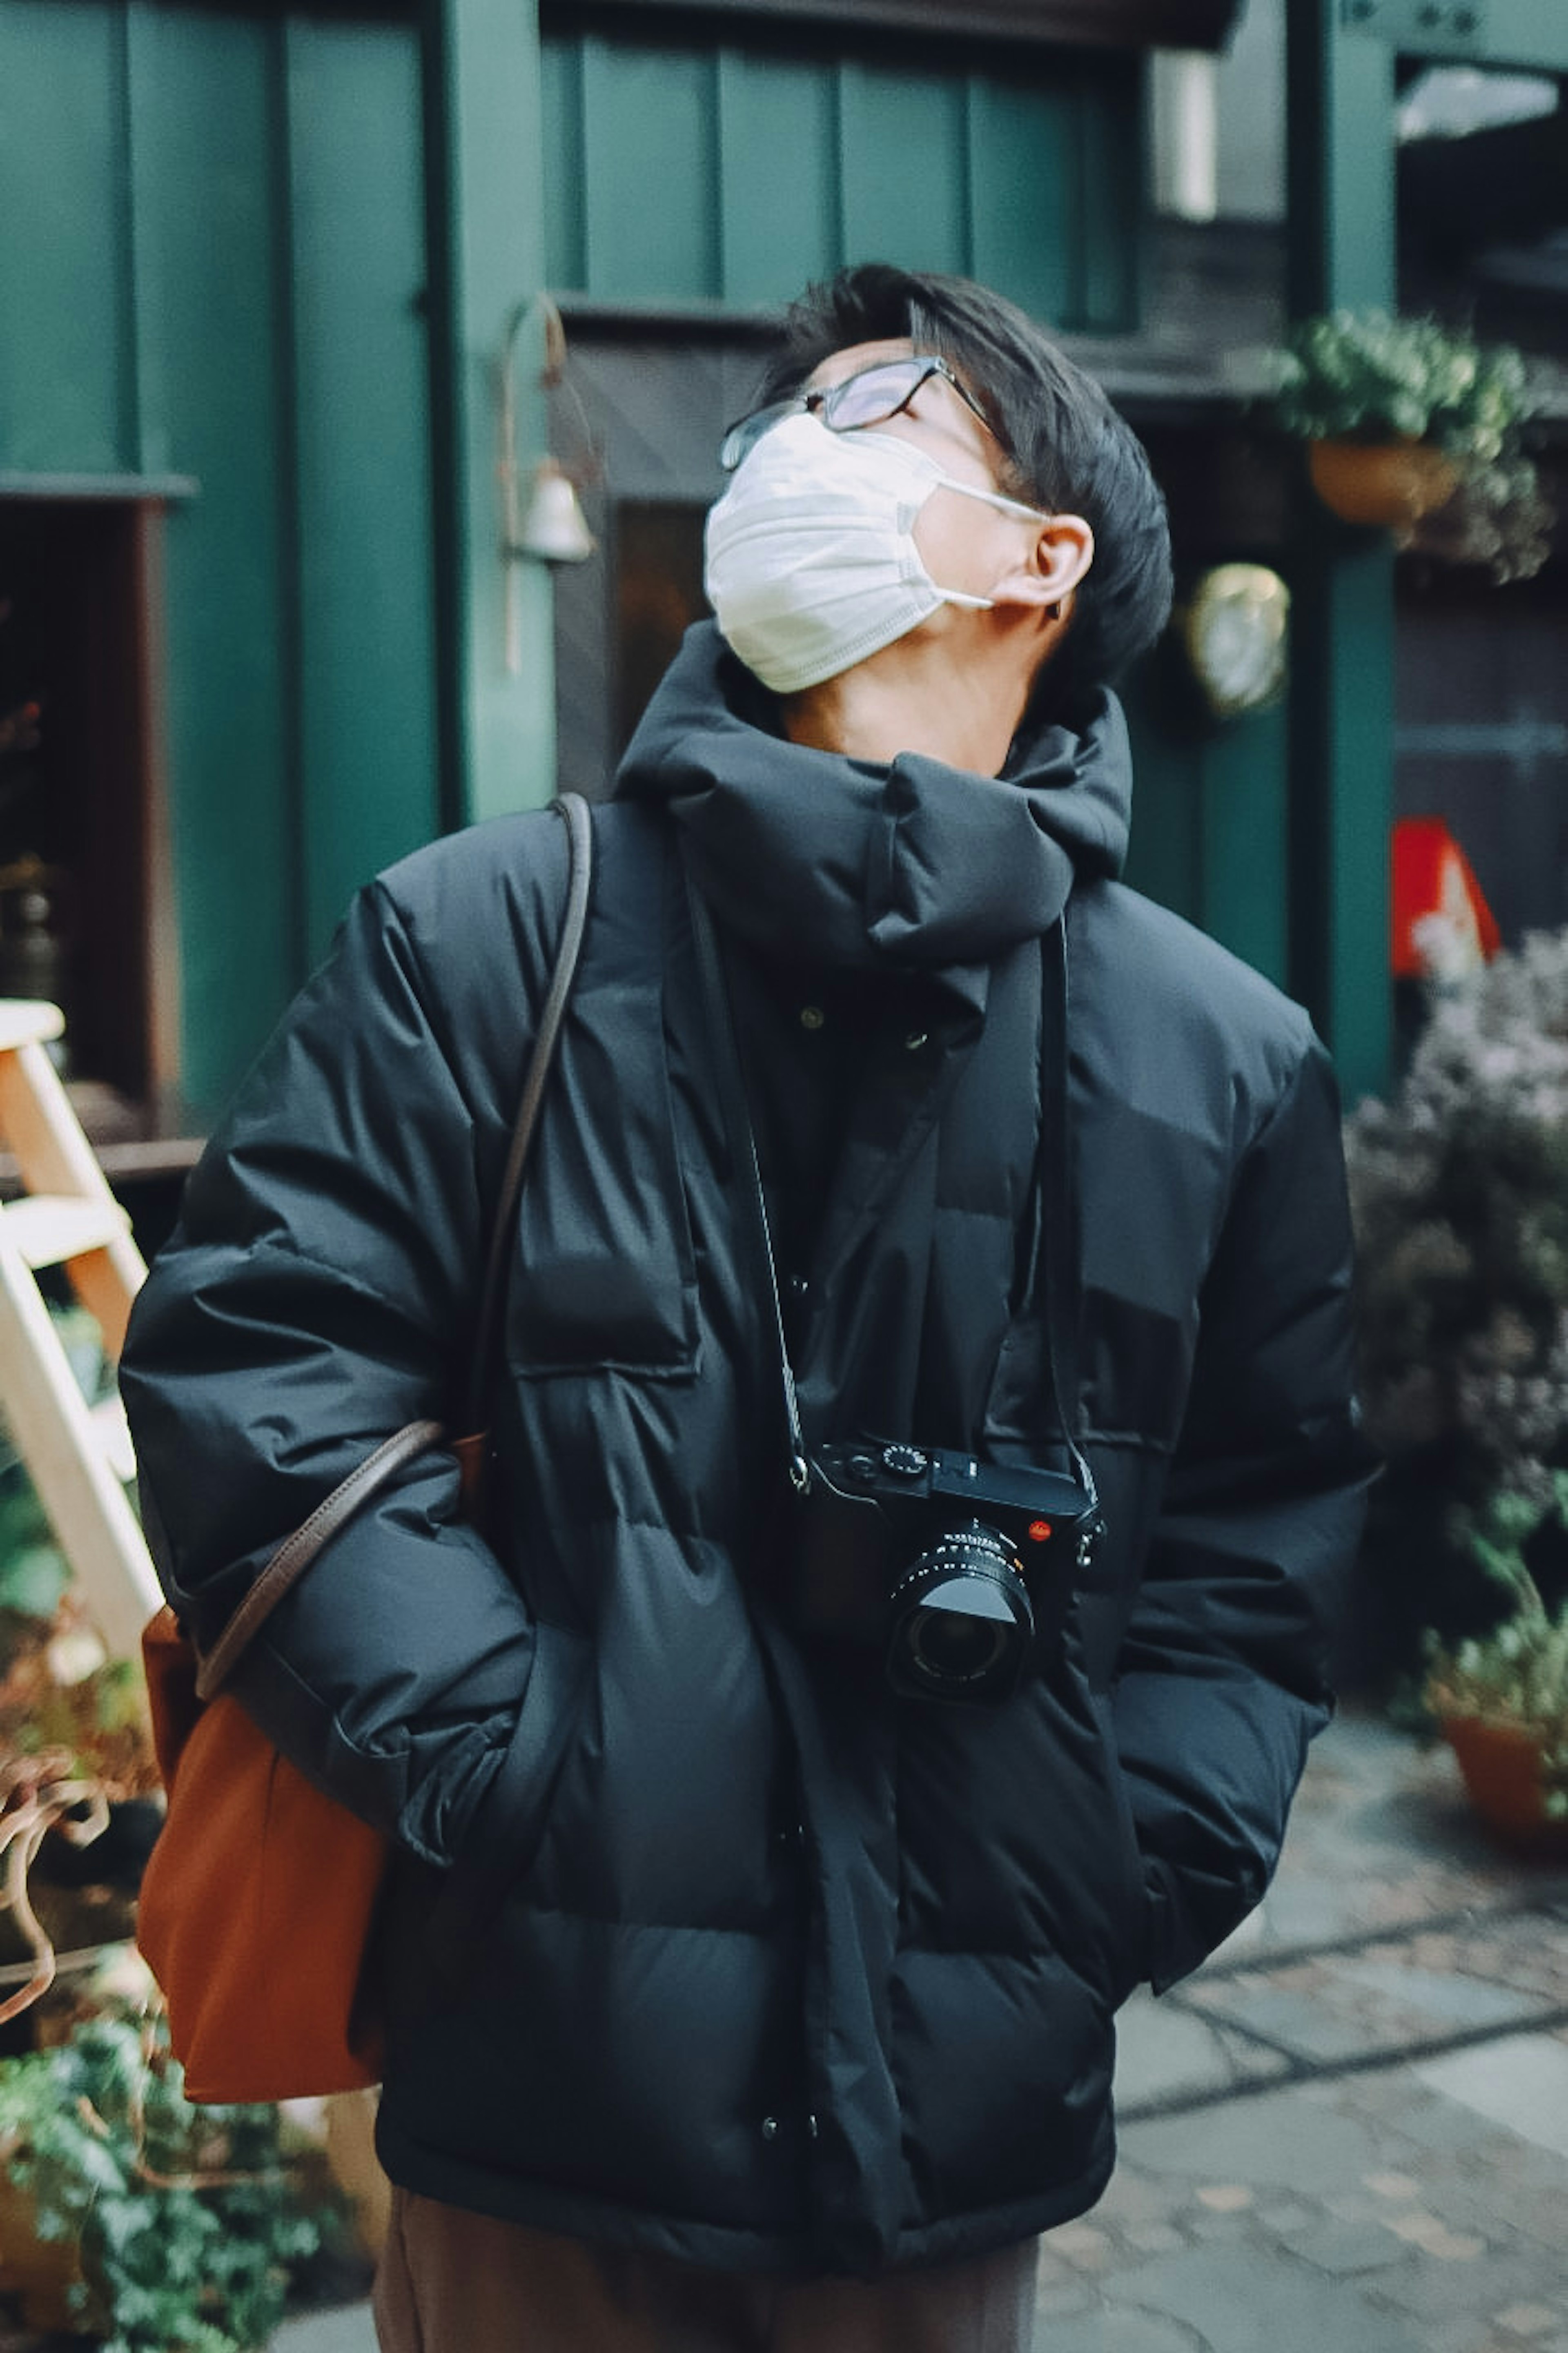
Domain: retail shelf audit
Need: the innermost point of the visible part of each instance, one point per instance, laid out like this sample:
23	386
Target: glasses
870	397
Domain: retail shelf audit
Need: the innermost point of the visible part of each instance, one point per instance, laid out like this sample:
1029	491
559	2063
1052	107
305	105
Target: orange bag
258	1902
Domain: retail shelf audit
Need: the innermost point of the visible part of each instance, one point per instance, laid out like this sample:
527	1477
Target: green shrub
1460	1190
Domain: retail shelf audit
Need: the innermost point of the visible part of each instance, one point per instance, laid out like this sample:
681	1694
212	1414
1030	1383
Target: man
743	1985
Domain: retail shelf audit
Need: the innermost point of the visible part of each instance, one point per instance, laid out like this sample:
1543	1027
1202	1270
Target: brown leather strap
580	837
295	1553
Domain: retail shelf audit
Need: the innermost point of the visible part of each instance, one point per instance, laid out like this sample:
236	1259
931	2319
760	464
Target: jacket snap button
915	1040
770	2127
812	1017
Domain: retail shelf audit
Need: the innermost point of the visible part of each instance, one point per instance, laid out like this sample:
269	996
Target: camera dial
962	1624
905	1462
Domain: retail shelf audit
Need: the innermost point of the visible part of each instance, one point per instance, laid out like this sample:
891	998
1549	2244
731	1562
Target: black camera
938	1560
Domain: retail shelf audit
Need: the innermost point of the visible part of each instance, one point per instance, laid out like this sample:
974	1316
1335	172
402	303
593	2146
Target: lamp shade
553	528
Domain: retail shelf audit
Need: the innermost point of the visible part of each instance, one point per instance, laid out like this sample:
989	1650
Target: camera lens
962	1624
949	1647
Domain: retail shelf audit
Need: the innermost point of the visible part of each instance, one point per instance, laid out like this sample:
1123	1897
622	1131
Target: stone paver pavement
1349	2134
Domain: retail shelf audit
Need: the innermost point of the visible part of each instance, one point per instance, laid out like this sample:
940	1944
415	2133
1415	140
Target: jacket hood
912	865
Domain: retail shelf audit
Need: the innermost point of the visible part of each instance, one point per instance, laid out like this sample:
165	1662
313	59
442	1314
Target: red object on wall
1432	877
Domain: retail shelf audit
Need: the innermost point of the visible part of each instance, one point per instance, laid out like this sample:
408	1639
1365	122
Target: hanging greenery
1367	380
1361	375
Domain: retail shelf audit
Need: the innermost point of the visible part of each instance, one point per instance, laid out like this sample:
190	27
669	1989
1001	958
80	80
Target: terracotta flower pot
40	2272
1388	484
1500	1766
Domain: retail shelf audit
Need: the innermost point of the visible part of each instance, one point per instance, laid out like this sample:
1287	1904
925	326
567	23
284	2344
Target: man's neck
962	709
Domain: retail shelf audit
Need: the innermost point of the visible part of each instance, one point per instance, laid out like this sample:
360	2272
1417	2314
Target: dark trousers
451	2282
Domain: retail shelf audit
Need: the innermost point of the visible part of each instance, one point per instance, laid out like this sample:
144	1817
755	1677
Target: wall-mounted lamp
553	528
1235	628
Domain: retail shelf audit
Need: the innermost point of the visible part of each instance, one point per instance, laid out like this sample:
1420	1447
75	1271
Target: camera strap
744	1144
1056	1234
1051	1286
1040	1348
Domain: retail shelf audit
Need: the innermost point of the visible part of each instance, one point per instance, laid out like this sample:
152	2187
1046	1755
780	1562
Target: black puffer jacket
695	1942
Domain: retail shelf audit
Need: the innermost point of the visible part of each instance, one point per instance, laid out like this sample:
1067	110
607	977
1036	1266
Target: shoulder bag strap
295	1553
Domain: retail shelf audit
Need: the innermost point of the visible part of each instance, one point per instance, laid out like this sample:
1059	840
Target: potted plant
181	2228
1502	1697
1396	411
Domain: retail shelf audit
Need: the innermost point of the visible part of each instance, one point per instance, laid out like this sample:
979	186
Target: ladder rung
112	1432
48	1229
24	1020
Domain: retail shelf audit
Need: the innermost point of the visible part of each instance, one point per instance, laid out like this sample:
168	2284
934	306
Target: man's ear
1060	554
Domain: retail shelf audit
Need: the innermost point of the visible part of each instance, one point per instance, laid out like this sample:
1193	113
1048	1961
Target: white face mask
811	557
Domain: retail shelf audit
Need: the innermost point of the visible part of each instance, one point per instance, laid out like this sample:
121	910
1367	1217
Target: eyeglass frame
820	399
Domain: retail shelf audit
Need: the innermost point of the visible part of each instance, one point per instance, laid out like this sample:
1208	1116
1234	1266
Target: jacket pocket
506	1832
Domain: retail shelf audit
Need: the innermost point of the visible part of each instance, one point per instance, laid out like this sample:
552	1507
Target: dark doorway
657	396
1481	733
658	557
82	917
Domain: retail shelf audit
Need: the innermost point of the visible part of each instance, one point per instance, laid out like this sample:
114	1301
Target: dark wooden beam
486	213
1342	254
1079	24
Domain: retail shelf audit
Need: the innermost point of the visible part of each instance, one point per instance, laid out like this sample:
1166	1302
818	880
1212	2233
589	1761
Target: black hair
1066	449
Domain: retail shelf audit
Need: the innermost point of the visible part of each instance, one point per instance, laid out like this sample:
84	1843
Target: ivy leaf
100	2168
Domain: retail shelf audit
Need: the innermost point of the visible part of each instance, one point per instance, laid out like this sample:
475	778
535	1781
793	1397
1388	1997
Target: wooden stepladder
76	1456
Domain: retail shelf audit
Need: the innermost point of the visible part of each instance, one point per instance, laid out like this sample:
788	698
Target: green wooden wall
680	173
1211	818
210	263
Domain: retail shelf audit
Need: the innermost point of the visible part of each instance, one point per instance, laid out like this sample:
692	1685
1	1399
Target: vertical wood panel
62	201
1112	198
1341	90
488	249
771	170
1244	839
120	237
1026	217
206	170
778	186
650	121
290	634
1210	816
154	451
565	165
1165	855
904	167
362	435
